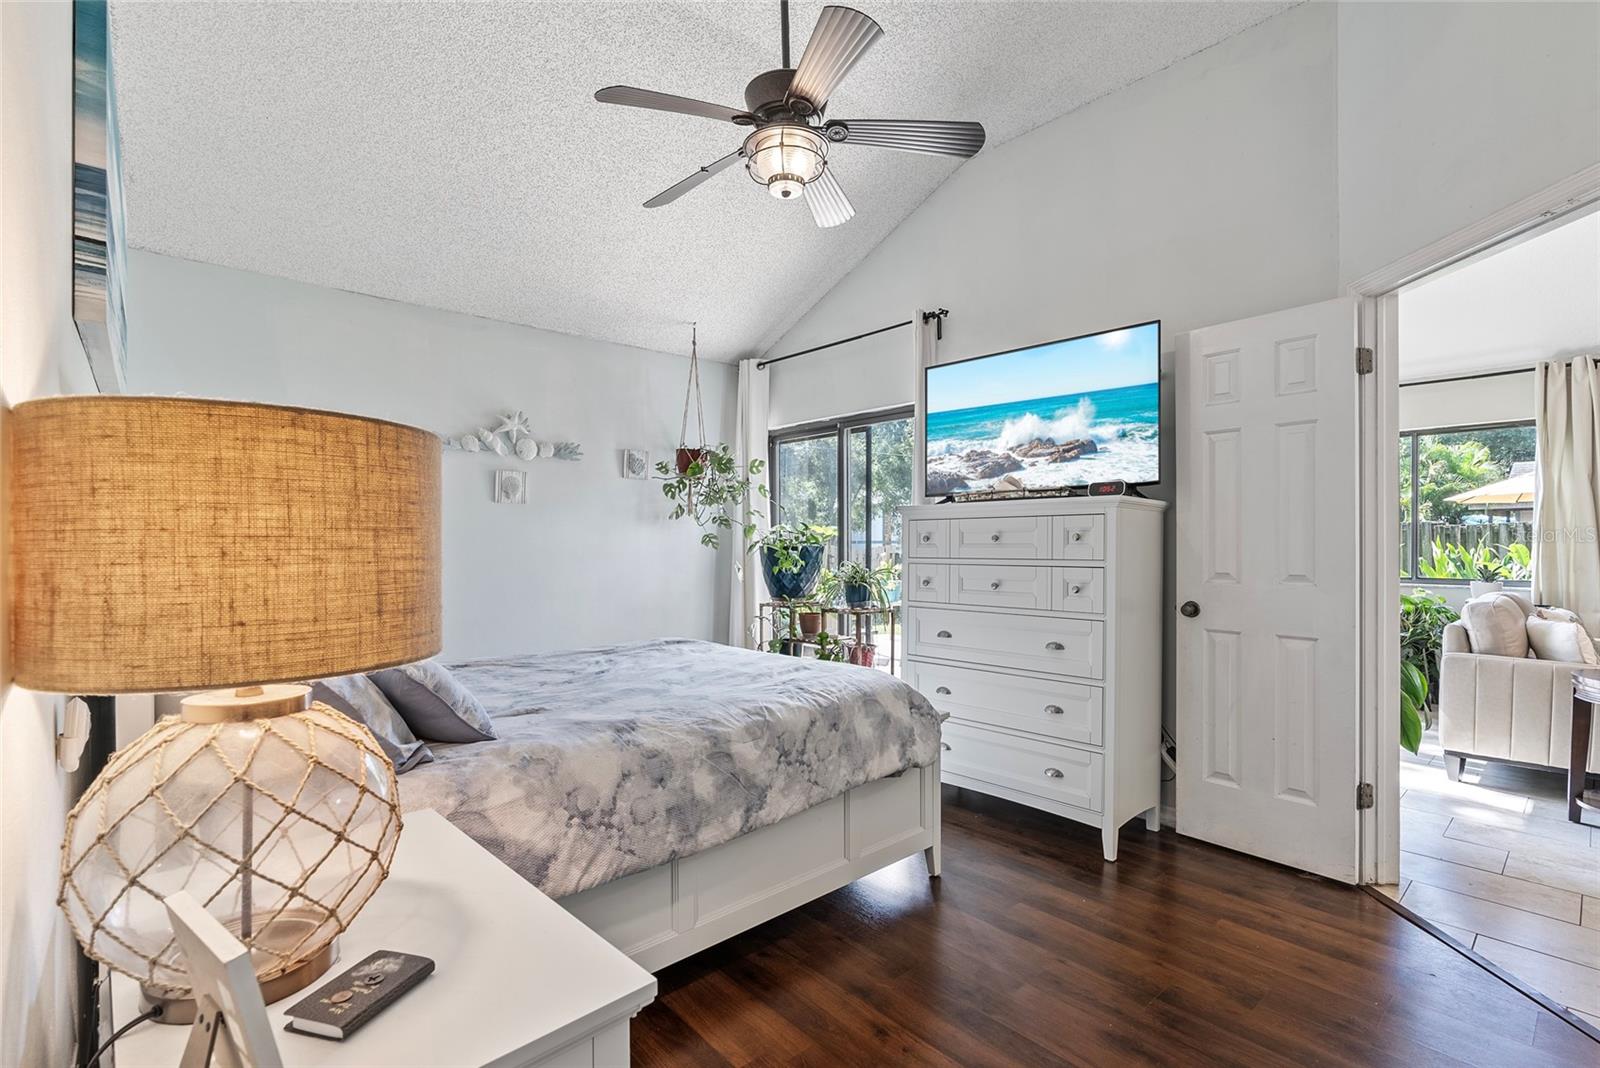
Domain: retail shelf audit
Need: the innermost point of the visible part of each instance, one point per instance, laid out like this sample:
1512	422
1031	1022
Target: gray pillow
435	705
357	697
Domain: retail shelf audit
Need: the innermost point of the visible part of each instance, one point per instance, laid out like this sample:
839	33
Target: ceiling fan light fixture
784	157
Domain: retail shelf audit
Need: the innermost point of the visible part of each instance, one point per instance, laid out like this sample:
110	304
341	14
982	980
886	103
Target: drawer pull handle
1054	710
1052	773
943	634
926	581
1054	647
945	746
944	690
995	585
1073	589
1076	535
927	538
994	537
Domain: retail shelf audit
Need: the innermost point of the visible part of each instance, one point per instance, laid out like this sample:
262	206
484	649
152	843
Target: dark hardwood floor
1031	951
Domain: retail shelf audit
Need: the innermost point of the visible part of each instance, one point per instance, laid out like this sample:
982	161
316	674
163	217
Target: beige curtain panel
1566	522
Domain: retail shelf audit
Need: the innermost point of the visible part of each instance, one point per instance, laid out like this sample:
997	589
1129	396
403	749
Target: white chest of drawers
1037	626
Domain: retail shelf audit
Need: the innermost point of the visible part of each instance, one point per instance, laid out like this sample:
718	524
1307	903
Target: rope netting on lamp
282	824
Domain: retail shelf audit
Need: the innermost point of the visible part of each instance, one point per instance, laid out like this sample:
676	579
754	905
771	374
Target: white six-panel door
1267	581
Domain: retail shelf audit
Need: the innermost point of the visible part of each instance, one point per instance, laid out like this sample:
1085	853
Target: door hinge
1363	361
1363	795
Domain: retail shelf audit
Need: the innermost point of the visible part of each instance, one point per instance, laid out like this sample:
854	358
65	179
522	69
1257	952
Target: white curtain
749	443
1566	520
924	354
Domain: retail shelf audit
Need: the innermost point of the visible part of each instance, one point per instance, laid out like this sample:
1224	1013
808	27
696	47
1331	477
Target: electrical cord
153	1014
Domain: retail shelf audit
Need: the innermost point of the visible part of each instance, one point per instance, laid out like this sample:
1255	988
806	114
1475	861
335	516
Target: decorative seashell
568	450
469	443
492	441
527	449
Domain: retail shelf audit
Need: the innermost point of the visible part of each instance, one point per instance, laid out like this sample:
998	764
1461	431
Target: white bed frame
675	909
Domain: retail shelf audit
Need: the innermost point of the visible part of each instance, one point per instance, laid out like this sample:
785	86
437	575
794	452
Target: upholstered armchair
1515	709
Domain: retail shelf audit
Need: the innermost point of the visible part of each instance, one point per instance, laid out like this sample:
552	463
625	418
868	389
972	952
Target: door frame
1378	296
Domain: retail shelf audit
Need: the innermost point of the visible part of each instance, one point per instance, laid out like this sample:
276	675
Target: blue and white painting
97	218
1063	414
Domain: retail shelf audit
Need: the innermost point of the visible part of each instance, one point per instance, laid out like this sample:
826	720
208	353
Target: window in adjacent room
1466	503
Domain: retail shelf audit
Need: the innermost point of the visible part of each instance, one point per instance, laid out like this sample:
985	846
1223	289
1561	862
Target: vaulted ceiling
452	155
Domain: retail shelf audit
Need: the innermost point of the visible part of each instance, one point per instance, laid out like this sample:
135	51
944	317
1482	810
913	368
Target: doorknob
1189	609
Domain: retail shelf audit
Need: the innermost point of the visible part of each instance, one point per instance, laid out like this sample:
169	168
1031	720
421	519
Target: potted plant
791	559
711	490
831	647
810	620
863	586
863	654
1423	616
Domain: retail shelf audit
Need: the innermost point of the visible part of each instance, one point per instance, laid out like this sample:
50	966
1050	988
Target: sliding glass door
851	474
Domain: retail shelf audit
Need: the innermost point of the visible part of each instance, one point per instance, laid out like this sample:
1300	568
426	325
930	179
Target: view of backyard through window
875	482
1466	504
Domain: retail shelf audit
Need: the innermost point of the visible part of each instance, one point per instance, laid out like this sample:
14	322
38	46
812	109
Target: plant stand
779	618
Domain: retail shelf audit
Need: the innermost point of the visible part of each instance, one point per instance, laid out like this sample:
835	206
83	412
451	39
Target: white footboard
668	912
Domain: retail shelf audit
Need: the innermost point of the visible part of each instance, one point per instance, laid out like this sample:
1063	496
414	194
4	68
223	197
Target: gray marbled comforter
613	760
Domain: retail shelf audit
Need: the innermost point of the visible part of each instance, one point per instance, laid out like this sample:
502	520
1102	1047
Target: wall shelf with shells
514	437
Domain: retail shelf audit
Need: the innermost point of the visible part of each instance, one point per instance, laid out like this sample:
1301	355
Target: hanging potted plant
690	455
705	482
712	492
791	559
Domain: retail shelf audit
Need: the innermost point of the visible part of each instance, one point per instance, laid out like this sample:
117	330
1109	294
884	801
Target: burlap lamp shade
162	544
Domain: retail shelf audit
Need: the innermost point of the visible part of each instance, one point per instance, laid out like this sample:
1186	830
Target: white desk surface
516	976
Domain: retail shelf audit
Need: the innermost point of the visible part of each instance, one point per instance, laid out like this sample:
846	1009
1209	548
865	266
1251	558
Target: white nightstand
518	982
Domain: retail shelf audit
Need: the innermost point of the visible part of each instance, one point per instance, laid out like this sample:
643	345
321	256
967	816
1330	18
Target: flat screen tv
1051	417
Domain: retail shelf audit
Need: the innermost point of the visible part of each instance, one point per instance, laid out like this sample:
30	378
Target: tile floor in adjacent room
1493	861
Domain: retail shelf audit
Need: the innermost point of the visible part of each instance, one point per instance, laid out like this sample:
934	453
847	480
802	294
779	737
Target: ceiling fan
788	149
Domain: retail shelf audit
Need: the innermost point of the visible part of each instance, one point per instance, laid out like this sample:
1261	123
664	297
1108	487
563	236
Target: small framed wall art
510	486
635	463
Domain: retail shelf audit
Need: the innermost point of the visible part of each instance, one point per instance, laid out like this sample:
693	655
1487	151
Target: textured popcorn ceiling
451	155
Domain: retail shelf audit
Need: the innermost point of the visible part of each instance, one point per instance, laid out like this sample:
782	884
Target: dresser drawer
1024	537
1078	589
1000	586
1079	537
1064	710
928	537
927	583
1071	776
992	639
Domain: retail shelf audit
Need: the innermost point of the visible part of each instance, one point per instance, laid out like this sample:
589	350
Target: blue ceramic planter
792	585
857	594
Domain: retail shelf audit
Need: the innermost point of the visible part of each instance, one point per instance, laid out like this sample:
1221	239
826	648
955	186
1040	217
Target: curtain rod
938	316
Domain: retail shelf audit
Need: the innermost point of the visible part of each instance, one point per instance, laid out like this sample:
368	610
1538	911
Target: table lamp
169	544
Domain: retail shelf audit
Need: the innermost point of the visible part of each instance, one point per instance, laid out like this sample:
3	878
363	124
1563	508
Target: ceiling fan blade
909	135
667	196
628	96
842	37
829	206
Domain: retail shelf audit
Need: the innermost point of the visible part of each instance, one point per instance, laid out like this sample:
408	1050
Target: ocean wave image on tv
1062	414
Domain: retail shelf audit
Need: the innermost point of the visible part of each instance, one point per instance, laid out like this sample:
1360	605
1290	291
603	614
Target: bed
673	793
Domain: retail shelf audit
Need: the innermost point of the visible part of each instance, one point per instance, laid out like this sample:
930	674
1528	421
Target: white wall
39	355
1451	111
1204	193
590	559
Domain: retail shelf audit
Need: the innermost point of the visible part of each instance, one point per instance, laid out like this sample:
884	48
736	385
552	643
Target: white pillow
1497	625
1560	639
